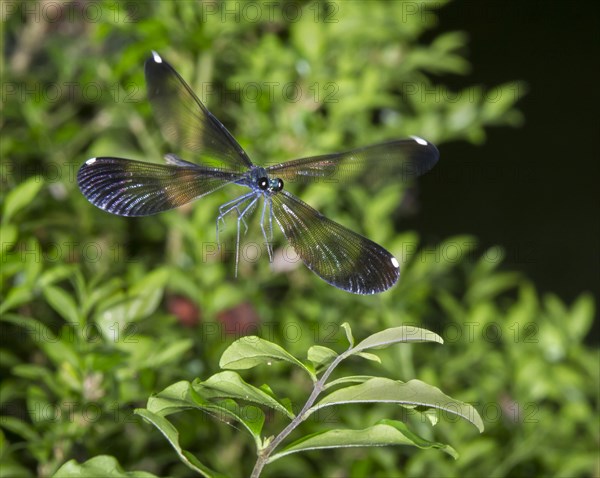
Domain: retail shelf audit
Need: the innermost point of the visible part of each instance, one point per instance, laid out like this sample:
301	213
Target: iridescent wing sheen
185	122
399	160
339	256
134	188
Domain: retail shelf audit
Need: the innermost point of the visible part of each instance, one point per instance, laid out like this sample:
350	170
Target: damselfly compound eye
277	184
263	183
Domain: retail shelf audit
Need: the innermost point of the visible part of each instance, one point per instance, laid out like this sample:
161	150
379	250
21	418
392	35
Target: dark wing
134	188
399	160
339	256
185	121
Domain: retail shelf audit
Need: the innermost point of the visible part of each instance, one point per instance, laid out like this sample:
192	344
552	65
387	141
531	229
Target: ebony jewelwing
339	256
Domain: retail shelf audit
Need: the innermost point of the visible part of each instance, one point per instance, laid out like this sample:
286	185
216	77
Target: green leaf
20	428
250	416
231	385
413	392
102	465
489	287
38	374
182	396
369	356
397	335
100	292
56	349
141	301
385	432
500	100
63	304
581	317
172	399
8	238
169	353
55	274
348	379
349	336
321	356
430	414
172	435
154	281
248	352
16	296
20	197
32	260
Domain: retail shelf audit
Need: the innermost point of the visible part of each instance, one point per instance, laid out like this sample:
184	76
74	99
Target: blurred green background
99	312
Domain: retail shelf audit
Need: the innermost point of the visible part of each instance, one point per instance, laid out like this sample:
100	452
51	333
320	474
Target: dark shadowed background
533	190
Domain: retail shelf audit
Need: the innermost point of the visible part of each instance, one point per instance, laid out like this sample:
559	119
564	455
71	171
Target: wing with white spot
134	188
399	160
339	256
186	122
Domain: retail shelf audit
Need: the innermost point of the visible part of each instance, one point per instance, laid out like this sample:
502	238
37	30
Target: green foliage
98	466
100	312
225	395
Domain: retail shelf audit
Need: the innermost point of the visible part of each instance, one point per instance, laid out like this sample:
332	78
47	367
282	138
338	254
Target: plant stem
263	456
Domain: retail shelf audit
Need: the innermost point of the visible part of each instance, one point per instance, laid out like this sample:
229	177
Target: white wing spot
90	161
421	141
395	263
156	57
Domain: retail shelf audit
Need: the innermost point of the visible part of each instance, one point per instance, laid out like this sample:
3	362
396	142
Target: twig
263	456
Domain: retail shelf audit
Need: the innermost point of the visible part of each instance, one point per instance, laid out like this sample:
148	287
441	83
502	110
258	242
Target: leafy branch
221	395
